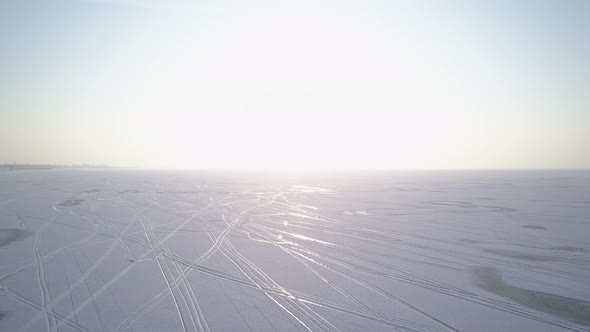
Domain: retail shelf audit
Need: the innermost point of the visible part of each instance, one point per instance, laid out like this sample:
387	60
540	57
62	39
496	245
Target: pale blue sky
301	84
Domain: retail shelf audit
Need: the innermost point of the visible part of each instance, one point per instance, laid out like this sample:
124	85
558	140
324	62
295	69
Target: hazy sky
296	84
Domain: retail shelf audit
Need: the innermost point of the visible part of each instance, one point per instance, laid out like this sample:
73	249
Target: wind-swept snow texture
123	250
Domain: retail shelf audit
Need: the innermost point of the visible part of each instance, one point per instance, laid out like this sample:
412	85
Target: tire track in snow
174	299
88	272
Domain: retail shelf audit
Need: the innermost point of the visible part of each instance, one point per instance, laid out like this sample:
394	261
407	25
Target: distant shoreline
38	167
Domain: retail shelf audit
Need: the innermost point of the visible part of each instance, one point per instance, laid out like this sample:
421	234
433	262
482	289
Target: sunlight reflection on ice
306	238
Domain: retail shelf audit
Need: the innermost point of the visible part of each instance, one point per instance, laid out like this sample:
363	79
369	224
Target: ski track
233	233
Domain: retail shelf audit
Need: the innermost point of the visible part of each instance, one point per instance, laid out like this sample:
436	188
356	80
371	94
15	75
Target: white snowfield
129	250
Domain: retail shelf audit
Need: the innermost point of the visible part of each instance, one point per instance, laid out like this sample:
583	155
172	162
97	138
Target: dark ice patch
468	206
129	191
570	249
533	227
574	310
470	241
71	202
2	315
9	235
520	255
403	189
92	191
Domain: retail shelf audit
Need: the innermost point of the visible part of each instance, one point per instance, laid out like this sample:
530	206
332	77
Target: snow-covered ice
130	250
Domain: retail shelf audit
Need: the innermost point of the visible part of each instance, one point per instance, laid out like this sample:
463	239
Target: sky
296	84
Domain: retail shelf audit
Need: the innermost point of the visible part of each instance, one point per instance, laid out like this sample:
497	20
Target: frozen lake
129	250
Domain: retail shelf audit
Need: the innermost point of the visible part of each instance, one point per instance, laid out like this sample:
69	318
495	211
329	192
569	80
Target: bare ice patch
129	191
9	235
533	227
71	202
574	310
469	207
521	255
570	249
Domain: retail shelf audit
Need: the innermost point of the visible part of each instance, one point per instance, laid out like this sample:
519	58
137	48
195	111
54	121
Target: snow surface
119	250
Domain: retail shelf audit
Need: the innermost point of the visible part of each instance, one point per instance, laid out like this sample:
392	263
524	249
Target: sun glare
293	91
